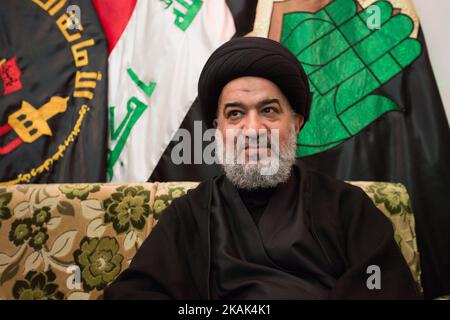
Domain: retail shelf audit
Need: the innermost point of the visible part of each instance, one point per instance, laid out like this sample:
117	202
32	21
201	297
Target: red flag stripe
114	16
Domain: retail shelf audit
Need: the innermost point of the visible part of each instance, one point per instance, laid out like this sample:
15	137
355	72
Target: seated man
287	233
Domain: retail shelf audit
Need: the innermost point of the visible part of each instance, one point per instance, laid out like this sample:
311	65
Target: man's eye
269	110
234	114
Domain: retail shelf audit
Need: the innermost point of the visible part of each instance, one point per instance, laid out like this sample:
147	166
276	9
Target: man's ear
299	120
215	123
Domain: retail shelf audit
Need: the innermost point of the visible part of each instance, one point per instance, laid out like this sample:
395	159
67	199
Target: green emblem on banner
346	61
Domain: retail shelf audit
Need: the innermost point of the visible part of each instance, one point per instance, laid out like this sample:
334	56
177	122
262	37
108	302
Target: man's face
253	103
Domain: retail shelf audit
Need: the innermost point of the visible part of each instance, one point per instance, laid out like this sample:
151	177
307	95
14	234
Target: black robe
315	240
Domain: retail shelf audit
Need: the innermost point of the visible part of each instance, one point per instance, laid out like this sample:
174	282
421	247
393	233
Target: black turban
256	57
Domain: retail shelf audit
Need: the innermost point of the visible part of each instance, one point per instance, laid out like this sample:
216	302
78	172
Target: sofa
68	241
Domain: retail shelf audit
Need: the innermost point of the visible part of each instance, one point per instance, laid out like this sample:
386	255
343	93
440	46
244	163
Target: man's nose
253	121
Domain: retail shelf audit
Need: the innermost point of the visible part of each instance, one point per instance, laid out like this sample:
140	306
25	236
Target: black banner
53	80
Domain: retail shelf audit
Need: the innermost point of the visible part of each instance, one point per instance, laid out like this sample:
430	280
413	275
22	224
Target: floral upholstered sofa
68	241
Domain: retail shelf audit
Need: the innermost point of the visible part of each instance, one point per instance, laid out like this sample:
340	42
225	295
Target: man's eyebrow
259	104
268	101
234	104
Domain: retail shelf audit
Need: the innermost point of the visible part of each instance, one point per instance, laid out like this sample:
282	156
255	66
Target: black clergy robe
314	238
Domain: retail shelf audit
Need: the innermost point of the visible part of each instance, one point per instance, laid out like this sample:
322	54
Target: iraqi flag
53	115
157	50
377	114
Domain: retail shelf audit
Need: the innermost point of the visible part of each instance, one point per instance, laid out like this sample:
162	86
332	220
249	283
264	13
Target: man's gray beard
248	176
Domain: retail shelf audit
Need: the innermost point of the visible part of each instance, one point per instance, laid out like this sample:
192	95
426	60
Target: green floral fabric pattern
68	241
99	260
165	197
37	286
5	199
20	231
127	208
80	191
393	196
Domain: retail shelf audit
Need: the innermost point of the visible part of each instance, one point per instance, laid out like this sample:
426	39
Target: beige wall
435	19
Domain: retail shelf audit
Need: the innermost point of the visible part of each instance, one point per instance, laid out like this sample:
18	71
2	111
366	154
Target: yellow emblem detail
30	123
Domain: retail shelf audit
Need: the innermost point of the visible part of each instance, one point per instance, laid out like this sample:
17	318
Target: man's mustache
247	142
236	141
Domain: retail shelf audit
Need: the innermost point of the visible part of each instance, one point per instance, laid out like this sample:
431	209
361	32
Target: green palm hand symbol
346	61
